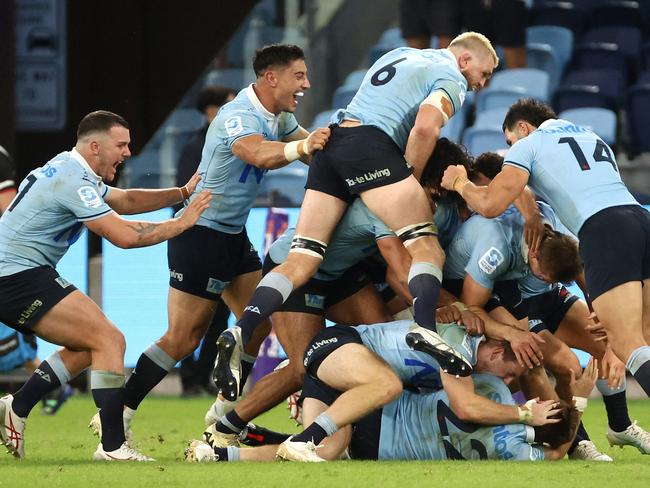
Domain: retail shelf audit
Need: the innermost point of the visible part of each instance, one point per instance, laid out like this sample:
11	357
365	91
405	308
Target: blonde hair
475	41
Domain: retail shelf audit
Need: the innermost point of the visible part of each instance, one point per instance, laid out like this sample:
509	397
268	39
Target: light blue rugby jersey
353	240
421	427
448	221
394	87
572	169
388	340
233	183
46	216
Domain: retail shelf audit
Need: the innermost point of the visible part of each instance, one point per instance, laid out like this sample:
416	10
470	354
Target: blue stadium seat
600	120
232	78
628	40
392	37
492	99
644	78
559	38
322	119
354	79
529	80
563	14
623	13
489	119
342	96
542	56
478	141
579	96
288	182
600	55
609	83
453	129
638	117
377	51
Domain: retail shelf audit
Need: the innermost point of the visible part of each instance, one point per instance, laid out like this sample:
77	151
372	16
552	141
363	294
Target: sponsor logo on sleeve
89	197
234	125
490	260
216	286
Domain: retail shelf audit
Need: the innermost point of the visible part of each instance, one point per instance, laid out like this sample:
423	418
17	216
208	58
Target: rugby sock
424	284
152	366
322	427
49	375
581	435
616	406
231	423
247	362
272	291
108	392
229	453
639	365
259	436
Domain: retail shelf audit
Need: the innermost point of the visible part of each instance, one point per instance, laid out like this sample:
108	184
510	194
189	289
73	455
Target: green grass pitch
60	448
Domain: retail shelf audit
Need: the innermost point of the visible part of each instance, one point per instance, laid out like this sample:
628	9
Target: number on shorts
601	153
389	69
31	179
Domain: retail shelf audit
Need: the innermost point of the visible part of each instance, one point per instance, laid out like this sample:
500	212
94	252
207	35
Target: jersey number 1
31	179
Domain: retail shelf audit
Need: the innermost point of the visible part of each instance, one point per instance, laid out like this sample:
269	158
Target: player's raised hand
612	369
447	314
316	140
525	345
543	412
582	386
452	173
474	324
196	207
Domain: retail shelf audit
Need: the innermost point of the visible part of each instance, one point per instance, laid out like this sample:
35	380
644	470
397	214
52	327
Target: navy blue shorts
615	248
325	343
547	311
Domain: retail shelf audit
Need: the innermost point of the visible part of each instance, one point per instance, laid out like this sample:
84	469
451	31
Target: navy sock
322	427
618	417
231	423
246	368
45	379
581	435
152	366
108	392
424	285
270	294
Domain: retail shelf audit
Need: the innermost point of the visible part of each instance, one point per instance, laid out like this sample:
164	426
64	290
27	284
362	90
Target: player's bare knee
110	339
387	389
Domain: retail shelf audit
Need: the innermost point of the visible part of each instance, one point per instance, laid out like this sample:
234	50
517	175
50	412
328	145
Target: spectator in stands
421	19
502	21
195	373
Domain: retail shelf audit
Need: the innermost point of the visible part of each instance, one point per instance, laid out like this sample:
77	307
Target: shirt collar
84	164
448	53
252	96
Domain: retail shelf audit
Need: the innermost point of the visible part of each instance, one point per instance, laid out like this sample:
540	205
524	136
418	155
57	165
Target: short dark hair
488	163
213	95
558	256
445	153
275	55
556	434
529	110
99	121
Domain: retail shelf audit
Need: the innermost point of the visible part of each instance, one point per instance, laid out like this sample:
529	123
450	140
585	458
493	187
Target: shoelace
133	453
590	449
638	433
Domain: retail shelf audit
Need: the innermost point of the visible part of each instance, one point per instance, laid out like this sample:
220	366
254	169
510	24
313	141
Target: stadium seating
322	119
579	96
600	120
541	56
600	55
532	81
490	119
289	182
233	78
342	96
144	169
638	114
564	14
478	141
608	86
623	13
354	79
560	39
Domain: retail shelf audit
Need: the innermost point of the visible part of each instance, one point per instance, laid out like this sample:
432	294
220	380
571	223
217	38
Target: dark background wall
133	57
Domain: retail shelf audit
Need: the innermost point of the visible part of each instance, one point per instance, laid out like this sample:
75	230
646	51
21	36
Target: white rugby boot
632	436
303	452
123	453
218	409
429	342
199	452
12	428
214	438
587	451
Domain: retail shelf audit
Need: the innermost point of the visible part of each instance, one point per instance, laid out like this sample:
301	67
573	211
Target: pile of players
446	335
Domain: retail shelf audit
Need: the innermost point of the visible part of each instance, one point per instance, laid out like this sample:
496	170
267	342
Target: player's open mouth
298	95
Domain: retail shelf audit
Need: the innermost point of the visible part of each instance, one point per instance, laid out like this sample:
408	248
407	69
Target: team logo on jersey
234	125
89	197
314	301
63	282
490	260
216	286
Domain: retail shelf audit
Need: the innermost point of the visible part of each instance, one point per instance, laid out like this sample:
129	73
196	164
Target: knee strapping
413	232
309	246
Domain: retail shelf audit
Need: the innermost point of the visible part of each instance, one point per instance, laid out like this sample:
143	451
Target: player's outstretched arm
470	407
423	137
129	234
492	200
137	200
263	154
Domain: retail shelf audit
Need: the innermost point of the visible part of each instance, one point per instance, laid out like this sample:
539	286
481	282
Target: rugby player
576	173
53	204
252	134
389	129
